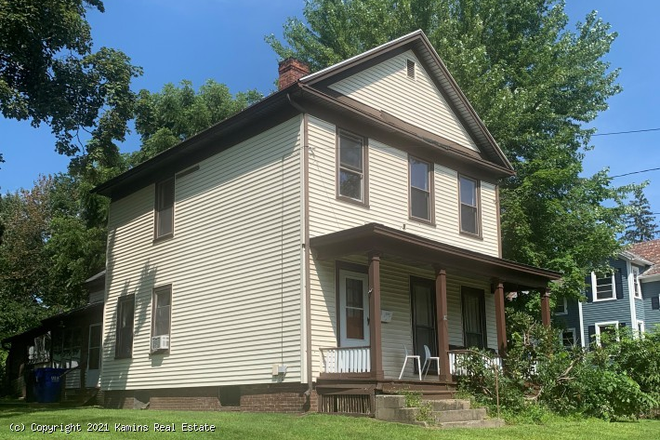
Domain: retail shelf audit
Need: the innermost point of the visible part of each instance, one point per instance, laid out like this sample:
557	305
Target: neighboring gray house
628	297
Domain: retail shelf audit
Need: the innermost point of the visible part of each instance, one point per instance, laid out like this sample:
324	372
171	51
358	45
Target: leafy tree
174	114
532	81
49	74
641	225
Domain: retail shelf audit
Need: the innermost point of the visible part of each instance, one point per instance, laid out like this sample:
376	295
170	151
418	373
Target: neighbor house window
162	311
640	328
124	330
562	307
468	189
603	286
421	186
351	183
165	208
606	332
568	338
636	287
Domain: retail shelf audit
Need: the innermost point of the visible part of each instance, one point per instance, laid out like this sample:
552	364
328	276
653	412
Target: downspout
631	297
306	256
581	318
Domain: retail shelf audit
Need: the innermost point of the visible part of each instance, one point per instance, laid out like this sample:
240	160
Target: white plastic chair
429	359
414	357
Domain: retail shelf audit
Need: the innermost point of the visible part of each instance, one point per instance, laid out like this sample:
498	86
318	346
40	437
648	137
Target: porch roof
375	237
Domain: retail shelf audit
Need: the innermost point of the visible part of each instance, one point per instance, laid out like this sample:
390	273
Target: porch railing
456	358
346	359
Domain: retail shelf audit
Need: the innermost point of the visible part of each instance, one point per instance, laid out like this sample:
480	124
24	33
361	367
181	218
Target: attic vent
410	67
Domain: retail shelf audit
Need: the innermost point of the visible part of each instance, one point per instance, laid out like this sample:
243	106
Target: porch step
459	415
448	404
447	413
487	423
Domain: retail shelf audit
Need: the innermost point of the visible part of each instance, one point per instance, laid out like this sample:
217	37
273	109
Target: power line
635	172
626	132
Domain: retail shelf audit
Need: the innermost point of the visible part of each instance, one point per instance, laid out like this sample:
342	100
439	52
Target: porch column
374	319
545	307
443	324
499	318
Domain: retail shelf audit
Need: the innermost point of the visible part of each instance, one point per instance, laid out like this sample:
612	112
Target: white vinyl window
610	328
562	307
568	338
603	286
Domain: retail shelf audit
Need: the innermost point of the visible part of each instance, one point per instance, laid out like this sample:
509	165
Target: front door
474	317
353	309
422	294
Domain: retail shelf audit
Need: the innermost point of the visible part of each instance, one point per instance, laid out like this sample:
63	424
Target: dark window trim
121	300
154	294
431	173
351	267
480	294
157	208
434	348
365	167
477	182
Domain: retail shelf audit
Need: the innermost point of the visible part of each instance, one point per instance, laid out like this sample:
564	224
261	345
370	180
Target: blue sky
224	40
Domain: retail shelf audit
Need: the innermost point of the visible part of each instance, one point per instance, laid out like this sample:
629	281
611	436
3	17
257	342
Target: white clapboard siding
395	297
386	86
234	265
388	195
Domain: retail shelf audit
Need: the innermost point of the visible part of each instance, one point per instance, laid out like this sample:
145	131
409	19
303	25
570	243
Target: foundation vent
346	404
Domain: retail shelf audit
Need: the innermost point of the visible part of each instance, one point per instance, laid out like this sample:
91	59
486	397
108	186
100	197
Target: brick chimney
291	70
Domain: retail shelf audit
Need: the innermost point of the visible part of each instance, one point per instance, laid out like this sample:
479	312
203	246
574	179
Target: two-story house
283	258
628	297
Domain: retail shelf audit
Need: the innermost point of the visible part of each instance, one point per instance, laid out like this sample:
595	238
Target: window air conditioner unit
161	342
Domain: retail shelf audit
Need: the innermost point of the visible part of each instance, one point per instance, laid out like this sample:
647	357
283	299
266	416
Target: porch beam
375	334
499	318
443	323
545	307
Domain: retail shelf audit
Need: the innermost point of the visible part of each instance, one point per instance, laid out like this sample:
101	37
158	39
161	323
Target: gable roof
287	103
419	43
650	251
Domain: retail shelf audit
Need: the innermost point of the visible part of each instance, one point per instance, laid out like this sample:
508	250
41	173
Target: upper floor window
161	317
603	286
636	287
164	208
124	328
468	189
421	189
351	177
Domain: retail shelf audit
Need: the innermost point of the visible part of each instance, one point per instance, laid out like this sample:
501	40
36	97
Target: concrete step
459	415
448	404
488	423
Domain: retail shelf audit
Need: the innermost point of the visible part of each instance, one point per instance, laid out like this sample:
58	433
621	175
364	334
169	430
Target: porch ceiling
415	249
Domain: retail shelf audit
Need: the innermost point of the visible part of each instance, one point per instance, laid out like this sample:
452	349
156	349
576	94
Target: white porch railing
346	359
456	357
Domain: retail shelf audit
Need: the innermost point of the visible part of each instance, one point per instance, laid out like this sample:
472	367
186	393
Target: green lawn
234	425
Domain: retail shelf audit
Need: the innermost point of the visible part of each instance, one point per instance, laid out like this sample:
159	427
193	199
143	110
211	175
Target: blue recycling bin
47	384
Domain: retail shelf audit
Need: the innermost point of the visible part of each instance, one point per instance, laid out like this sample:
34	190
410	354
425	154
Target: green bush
620	380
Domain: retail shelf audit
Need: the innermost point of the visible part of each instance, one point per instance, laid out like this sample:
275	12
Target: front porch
426	293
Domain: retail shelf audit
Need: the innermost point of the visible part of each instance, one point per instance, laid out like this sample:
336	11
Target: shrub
619	380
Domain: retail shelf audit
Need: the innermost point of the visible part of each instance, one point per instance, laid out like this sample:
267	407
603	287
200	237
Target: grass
236	425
